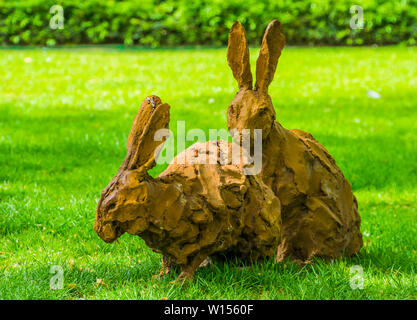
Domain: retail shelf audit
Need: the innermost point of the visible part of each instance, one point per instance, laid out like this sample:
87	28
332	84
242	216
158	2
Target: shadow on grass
221	279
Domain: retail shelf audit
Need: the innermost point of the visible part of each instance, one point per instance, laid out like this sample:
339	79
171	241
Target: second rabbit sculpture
318	209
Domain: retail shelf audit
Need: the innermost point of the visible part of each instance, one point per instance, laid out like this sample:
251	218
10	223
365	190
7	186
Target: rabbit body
318	209
217	210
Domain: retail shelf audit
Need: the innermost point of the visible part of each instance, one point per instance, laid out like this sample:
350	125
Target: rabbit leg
166	266
187	271
318	232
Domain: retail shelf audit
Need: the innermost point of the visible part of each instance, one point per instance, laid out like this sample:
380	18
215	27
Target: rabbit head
125	198
252	108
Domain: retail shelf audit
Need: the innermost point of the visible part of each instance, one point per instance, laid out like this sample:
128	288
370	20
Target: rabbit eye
262	110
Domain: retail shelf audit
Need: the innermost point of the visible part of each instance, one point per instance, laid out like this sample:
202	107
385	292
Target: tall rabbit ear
272	44
141	143
238	56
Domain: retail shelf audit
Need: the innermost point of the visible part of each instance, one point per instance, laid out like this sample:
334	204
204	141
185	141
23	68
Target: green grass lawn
64	119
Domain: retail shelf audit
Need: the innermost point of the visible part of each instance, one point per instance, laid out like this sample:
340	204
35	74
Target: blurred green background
205	22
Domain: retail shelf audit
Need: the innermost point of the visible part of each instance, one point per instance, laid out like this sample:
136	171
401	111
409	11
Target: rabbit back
224	212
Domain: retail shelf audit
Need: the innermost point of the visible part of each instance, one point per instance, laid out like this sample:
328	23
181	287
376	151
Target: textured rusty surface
300	205
190	211
319	211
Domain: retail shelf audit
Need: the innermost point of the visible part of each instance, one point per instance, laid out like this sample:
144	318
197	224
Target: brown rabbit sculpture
193	209
318	209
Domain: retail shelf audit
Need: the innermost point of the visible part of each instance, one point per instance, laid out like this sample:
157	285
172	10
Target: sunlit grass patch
64	120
